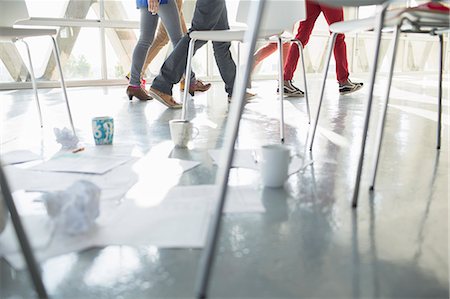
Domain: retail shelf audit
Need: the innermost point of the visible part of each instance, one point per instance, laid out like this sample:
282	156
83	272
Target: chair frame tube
63	84
231	132
281	86
332	41
33	82
378	29
187	78
382	121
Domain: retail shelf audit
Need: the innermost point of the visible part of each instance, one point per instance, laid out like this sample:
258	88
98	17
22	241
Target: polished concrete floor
309	243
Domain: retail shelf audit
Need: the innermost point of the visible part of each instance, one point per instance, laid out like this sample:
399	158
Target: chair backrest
278	14
12	11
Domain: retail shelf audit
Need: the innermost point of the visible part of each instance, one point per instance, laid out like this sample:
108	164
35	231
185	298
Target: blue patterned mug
103	130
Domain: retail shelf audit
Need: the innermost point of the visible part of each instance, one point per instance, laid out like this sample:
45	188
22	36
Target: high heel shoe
198	85
138	92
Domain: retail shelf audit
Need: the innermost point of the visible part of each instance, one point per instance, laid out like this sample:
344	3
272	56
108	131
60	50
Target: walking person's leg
148	23
333	15
222	55
303	33
206	14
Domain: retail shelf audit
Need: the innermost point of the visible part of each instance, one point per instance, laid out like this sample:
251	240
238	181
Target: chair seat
230	35
420	17
10	34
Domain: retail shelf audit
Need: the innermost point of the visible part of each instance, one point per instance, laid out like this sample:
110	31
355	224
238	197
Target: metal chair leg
304	79
281	87
441	66
385	106
231	131
332	41
187	77
378	28
30	260
33	82
63	84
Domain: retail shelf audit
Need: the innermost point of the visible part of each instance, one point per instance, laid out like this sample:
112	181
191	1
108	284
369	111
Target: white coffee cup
181	131
275	160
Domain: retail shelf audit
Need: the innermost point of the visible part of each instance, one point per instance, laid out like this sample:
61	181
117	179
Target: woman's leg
170	18
162	39
148	23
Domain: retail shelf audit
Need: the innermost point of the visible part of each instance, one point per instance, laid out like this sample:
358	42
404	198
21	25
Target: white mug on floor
275	160
181	132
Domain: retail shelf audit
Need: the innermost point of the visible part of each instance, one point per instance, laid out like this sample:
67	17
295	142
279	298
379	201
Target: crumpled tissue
66	138
75	209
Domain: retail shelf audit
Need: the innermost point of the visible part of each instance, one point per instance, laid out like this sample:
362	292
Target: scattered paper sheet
81	163
248	158
38	228
114	184
244	158
240	199
180	223
19	156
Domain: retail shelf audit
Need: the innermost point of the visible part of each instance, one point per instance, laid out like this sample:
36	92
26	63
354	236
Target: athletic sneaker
349	87
290	90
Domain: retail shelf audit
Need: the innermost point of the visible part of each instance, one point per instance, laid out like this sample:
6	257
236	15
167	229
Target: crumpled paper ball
66	138
75	209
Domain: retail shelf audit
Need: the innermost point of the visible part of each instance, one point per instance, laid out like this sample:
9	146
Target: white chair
414	20
279	16
424	22
13	11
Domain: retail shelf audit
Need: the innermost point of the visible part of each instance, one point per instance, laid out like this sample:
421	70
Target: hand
153	6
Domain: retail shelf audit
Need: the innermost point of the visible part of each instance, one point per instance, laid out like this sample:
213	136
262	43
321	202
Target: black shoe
290	90
349	87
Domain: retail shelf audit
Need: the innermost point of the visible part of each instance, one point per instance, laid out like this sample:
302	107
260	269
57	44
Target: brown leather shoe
163	98
137	92
197	86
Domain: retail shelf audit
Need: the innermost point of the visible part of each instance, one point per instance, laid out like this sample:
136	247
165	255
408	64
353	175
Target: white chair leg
441	66
281	87
187	79
63	84
379	26
223	173
300	46
332	40
33	82
382	121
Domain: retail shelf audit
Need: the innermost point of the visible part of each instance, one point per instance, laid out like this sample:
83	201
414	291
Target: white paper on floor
81	163
19	156
240	199
114	184
38	228
180	223
247	158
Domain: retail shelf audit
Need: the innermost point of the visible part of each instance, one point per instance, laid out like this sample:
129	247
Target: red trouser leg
303	34
333	15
